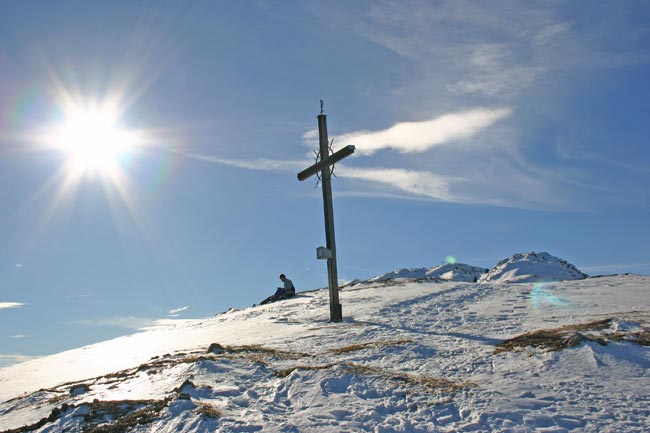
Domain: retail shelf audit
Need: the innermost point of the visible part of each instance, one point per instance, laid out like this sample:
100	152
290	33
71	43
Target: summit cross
323	165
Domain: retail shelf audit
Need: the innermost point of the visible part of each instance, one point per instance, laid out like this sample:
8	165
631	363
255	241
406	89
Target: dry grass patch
57	399
207	410
362	346
431	384
106	416
570	336
120	416
642	338
262	353
218	349
54	415
150	368
287	371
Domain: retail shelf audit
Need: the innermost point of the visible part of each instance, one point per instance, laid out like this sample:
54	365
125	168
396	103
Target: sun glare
89	137
93	140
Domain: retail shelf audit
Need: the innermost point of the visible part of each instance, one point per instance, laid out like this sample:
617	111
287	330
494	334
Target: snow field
409	357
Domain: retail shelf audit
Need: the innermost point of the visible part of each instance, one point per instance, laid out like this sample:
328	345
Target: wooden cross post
326	161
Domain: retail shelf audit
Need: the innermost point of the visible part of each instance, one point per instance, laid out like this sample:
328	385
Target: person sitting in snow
287	291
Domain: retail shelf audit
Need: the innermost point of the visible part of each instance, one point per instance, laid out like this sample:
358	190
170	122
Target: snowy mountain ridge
532	267
446	272
426	357
518	268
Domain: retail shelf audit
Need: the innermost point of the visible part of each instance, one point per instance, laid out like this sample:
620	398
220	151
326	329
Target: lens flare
450	260
542	297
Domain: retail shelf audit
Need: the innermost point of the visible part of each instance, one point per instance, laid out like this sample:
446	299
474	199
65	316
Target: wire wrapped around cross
318	158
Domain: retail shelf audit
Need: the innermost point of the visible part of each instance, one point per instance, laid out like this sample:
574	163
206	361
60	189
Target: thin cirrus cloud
175	311
126	322
416	137
404	137
14	358
412	182
423	183
250	164
4	305
130	322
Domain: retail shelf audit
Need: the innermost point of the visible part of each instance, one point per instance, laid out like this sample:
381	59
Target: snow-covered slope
446	272
425	357
532	267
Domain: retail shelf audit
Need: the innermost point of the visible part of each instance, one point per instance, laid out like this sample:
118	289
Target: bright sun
98	148
93	140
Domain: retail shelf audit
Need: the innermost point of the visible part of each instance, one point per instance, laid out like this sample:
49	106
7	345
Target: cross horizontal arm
331	160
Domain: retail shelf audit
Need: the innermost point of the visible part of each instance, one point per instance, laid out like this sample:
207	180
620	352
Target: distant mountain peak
532	267
445	272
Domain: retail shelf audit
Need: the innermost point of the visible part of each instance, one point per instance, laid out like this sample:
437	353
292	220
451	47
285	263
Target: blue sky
482	129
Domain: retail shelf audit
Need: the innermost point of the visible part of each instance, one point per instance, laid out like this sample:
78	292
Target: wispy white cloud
416	137
18	336
569	151
462	53
422	183
498	49
493	72
311	137
177	310
489	180
253	164
516	188
407	181
10	305
14	358
405	137
127	322
80	295
131	322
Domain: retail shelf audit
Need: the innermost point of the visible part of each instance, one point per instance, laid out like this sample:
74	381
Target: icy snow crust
532	267
409	357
